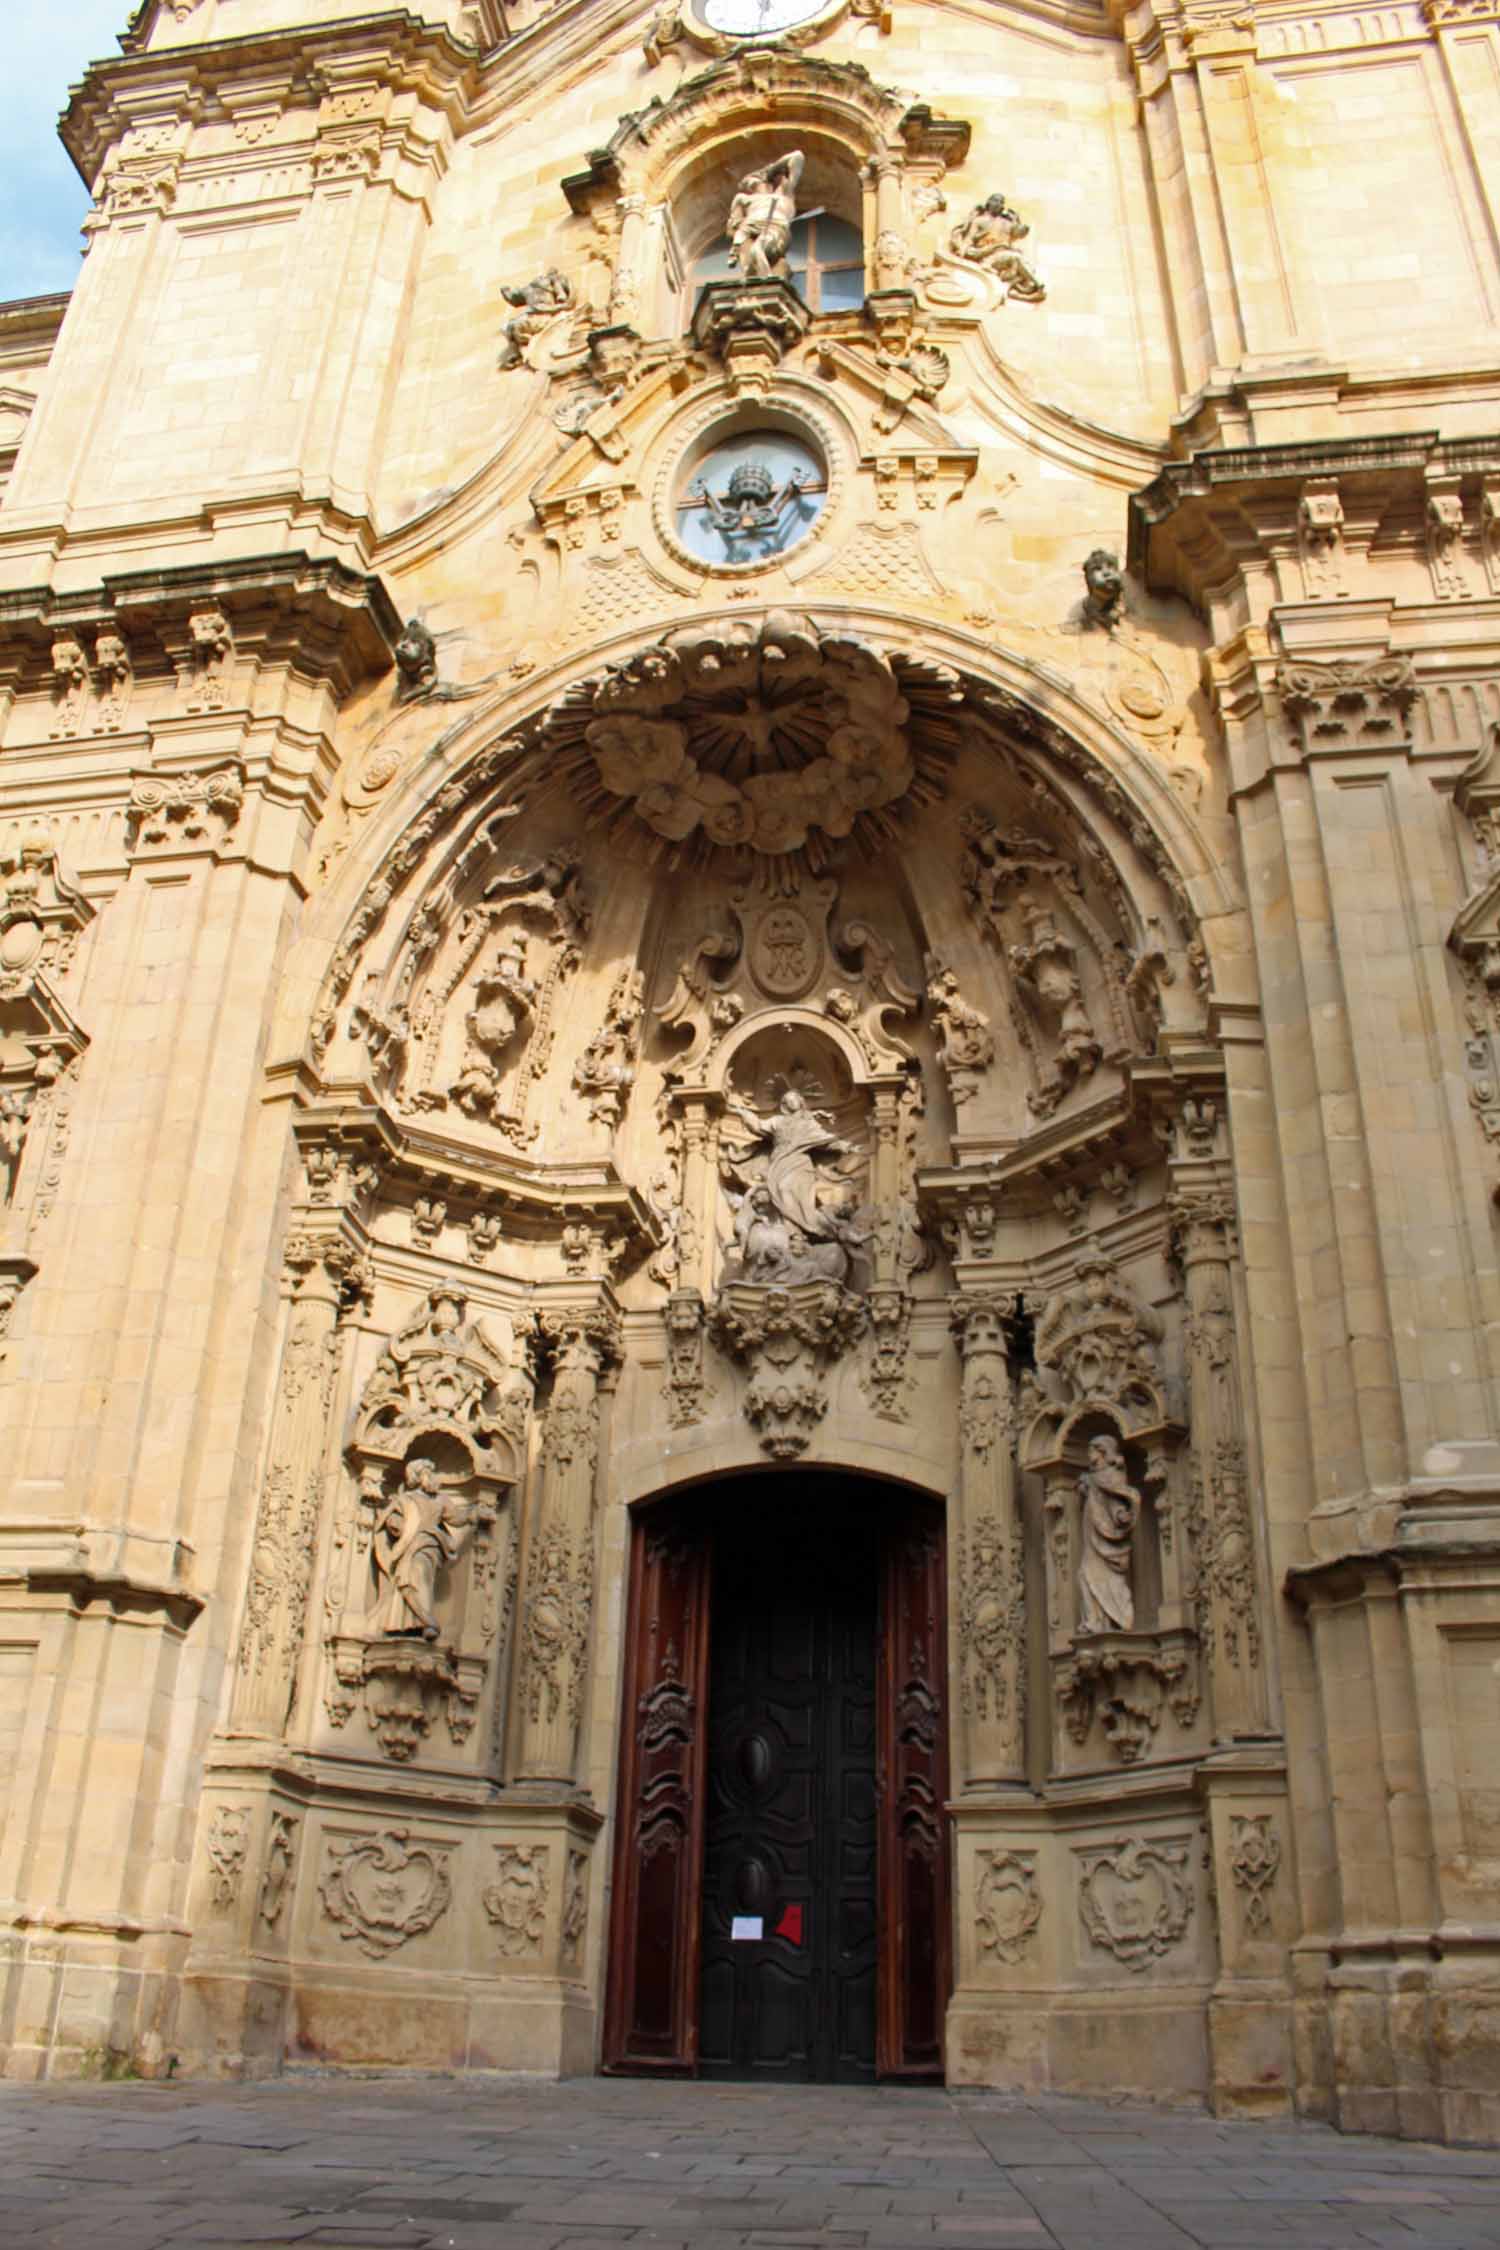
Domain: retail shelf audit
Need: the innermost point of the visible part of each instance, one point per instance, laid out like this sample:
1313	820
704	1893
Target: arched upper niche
663	184
1061	833
1119	791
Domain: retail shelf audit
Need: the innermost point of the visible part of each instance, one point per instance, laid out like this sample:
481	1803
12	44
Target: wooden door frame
660	1802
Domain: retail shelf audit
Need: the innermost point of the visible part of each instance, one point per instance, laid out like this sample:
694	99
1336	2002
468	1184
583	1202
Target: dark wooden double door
781	1878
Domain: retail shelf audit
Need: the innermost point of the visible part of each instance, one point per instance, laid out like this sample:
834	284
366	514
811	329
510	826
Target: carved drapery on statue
420	1557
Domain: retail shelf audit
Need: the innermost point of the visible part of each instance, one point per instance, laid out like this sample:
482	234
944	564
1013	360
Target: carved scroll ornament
1007	1904
516	1902
1100	1342
382	1890
1135	1899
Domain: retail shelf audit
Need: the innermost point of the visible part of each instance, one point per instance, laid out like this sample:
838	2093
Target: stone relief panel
325	1279
575	1918
228	1847
279	1869
1254	1862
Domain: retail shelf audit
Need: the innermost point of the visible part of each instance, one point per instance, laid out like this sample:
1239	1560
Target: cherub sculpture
539	301
1105	581
416	659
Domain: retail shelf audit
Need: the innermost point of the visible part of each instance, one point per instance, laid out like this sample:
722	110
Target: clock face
757	19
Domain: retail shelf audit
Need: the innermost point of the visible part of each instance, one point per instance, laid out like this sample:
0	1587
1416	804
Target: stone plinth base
250	2027
1116	2042
76	2005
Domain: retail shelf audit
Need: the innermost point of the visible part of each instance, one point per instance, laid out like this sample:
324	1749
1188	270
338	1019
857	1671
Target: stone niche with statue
1097	1427
417	1583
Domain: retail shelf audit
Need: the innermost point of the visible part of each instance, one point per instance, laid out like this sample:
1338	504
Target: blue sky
42	202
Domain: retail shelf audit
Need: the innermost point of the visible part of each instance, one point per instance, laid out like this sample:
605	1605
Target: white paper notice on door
747	1926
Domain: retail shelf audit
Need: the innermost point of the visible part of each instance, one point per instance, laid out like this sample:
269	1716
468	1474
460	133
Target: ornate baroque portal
735	824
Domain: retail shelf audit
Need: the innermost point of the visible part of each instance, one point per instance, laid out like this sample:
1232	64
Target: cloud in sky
48	43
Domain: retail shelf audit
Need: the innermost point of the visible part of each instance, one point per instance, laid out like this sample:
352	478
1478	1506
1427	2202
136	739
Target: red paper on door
790	1925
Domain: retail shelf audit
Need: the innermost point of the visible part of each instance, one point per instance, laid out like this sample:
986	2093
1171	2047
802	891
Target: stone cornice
327	621
1200	521
26	322
173	84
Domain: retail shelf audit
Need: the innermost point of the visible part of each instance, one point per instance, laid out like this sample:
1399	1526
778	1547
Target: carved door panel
916	1944
651	2021
789	1908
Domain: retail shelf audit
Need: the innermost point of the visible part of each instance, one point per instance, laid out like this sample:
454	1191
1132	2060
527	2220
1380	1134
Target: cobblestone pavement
448	2164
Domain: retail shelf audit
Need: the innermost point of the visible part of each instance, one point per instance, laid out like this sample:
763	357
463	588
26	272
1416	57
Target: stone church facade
750	1051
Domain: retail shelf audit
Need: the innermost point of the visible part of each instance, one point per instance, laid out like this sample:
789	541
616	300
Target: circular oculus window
756	19
749	499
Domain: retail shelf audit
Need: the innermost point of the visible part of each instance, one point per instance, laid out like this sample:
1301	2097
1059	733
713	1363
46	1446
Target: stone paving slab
428	2163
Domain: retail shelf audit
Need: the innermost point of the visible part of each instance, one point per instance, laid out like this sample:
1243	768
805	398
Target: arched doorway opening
781	1887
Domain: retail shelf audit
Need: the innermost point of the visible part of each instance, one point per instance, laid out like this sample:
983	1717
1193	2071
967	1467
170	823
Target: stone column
1219	1528
985	1560
291	1501
696	1247
558	1608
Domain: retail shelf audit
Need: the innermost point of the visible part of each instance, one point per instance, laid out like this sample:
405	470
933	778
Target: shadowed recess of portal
789	1894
